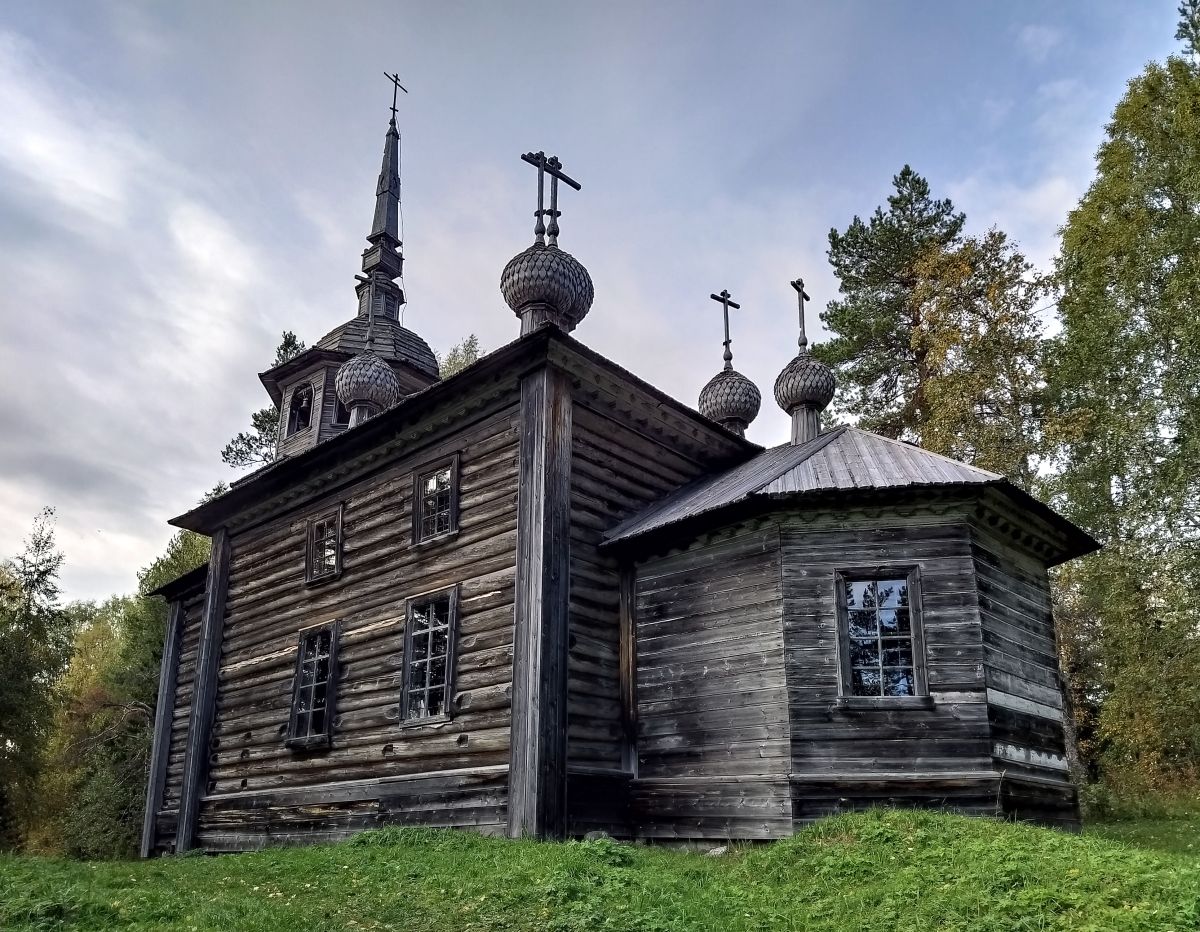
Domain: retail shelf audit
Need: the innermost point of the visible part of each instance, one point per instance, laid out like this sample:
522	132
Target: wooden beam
537	803
628	661
163	711
204	692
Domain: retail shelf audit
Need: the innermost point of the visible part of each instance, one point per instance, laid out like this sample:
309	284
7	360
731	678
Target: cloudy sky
180	182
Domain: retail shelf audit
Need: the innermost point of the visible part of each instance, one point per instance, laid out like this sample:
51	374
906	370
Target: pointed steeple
383	260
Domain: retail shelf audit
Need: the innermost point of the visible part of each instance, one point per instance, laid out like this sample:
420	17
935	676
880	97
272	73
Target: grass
1176	835
883	870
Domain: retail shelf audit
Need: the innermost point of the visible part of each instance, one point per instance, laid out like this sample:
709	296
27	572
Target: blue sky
180	182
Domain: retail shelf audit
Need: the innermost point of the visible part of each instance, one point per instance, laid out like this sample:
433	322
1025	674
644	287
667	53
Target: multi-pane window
429	656
313	689
300	409
880	621
435	501
324	554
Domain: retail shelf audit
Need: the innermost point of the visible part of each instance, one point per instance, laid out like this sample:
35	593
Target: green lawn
1178	835
885	870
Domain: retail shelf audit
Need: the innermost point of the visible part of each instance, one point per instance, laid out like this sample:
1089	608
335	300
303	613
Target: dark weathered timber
915	744
204	694
163	712
710	629
1024	694
537	804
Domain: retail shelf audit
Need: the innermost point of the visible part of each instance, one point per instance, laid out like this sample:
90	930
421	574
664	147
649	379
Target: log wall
259	791
616	472
167	814
844	757
1024	689
712	700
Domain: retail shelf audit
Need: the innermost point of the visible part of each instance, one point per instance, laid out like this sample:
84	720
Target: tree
936	337
1124	420
35	642
257	446
881	374
92	790
459	357
981	345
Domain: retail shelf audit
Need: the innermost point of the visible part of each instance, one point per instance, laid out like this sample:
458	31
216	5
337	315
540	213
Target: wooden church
540	597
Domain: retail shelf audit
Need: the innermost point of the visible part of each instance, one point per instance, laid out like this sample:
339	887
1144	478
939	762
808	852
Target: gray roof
844	458
392	341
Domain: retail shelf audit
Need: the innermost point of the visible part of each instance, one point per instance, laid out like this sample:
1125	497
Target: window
341	414
879	618
429	656
435	501
313	688
323	559
300	409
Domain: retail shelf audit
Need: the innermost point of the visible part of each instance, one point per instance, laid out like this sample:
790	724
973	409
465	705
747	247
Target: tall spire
383	260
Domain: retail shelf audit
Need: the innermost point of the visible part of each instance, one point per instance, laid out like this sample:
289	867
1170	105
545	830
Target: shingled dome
393	342
730	399
546	276
367	379
804	382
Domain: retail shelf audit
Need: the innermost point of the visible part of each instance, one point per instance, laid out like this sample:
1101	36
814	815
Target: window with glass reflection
324	558
429	656
313	688
435	501
879	620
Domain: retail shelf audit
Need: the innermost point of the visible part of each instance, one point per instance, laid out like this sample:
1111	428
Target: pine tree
881	374
256	447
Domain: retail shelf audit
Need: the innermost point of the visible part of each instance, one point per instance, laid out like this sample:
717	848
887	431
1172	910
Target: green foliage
871	872
35	643
936	337
1124	421
881	373
92	790
256	447
459	356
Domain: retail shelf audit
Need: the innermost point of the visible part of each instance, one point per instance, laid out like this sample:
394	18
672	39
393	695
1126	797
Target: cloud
126	294
1037	42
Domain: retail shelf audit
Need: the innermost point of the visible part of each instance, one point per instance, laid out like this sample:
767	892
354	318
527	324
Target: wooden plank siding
616	471
1024	689
847	758
712	704
251	773
167	812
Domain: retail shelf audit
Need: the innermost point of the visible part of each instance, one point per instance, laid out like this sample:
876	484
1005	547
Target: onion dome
731	400
806	385
366	380
548	279
804	382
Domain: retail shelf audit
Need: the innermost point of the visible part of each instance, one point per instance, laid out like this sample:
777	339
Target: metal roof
843	458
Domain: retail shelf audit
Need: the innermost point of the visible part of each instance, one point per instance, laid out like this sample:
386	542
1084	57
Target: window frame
452	463
323	739
288	430
310	576
450	592
912	575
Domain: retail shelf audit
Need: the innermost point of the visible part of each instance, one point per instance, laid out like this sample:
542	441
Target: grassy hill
884	870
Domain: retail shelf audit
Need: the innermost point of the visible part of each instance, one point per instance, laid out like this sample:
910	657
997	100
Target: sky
181	182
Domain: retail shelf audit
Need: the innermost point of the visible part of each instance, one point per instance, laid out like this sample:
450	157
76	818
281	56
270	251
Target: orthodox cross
726	304
802	295
395	79
548	165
